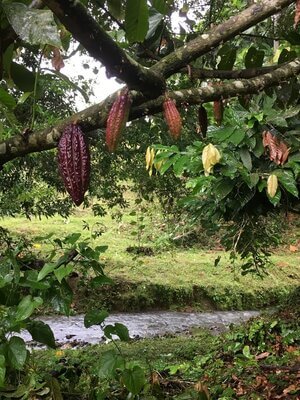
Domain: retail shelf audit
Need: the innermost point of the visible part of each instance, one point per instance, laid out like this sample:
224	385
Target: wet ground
71	330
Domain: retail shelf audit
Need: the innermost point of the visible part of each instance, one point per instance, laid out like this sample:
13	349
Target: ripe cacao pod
203	121
218	111
74	162
117	118
272	185
173	118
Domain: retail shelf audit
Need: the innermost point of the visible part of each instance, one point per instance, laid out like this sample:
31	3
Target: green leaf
95	317
254	58
227	56
22	77
26	307
2	370
237	137
168	163
41	333
72	239
223	134
109	361
136	20
287	179
134	379
180	165
286	56
161	6
122	331
63	271
155	19
246	158
254	178
6	99
115	8
276	199
32	25
47	269
24	97
101	280
246	352
223	188
16	352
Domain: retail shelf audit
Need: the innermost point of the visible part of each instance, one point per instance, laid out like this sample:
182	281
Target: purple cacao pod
117	118
74	162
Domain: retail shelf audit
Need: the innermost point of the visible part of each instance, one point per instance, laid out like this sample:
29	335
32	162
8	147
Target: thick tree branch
219	34
95	117
247	73
103	48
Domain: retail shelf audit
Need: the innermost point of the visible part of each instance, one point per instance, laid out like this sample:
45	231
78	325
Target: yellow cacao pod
272	185
210	157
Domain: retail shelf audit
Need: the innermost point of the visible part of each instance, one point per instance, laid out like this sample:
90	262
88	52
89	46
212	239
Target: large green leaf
22	77
16	352
109	361
155	19
26	307
223	188
287	180
134	379
47	269
41	332
162	6
32	25
246	158
6	99
227	56
136	20
115	8
95	317
254	58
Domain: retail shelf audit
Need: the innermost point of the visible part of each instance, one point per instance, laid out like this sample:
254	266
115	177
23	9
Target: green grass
173	277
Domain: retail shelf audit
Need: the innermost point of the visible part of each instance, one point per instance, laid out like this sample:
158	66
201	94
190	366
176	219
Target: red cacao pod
203	121
172	118
218	111
74	162
117	118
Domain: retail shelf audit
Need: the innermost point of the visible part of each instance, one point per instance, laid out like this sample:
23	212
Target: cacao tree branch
95	116
75	17
200	73
219	34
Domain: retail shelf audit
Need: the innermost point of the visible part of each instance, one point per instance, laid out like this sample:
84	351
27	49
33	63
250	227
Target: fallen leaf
261	356
293	248
291	388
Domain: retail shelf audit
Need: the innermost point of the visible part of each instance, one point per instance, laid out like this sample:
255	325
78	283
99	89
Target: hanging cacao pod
218	111
203	121
173	118
74	162
117	118
210	157
272	185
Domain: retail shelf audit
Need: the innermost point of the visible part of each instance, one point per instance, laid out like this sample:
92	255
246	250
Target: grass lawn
173	276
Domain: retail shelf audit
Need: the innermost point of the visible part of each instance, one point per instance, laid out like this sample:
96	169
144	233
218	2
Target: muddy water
141	325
